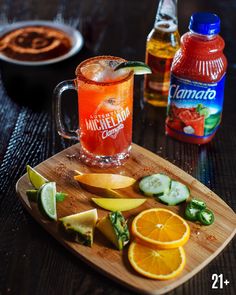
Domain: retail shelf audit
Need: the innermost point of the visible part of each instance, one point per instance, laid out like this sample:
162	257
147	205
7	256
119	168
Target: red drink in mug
105	106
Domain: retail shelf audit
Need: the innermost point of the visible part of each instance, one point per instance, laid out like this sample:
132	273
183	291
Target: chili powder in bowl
38	42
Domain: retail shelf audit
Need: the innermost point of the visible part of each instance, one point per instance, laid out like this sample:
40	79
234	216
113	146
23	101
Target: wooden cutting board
205	242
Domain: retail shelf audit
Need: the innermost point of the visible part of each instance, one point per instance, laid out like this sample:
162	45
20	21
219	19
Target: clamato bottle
196	93
162	43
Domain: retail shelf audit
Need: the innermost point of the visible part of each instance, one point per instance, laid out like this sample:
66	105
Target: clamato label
194	107
176	92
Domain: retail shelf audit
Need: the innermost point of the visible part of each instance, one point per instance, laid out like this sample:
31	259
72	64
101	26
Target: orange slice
156	264
103	180
161	228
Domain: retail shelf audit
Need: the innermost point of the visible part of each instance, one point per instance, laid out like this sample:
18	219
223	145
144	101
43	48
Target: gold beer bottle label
159	81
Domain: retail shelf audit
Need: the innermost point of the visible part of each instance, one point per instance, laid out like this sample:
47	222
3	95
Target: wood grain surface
205	242
31	262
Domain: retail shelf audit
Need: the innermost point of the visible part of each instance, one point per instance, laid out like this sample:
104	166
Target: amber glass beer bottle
162	43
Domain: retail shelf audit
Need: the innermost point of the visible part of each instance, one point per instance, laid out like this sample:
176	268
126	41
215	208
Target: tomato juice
197	82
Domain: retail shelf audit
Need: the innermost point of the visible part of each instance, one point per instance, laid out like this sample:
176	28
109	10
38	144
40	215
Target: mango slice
106	181
103	192
118	204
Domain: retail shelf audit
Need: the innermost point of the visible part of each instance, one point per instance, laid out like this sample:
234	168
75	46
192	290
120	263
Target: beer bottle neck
166	17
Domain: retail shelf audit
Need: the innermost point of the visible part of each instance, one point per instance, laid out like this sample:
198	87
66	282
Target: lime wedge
138	67
32	194
36	179
47	200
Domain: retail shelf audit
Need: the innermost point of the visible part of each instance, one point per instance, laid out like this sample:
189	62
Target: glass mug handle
59	89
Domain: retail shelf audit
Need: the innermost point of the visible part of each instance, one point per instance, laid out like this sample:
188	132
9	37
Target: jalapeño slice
191	213
206	216
197	203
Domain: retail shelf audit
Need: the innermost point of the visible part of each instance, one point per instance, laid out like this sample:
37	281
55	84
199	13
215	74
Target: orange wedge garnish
160	228
155	263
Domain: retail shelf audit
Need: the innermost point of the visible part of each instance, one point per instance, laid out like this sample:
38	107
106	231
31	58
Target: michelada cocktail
105	103
105	107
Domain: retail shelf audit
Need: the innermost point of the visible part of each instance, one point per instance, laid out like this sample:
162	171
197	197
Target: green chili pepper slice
191	212
206	216
197	203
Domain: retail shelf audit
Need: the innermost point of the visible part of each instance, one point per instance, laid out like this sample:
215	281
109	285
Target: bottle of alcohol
162	43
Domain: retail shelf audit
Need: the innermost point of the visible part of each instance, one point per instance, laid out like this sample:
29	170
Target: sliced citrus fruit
107	181
161	228
36	179
156	263
118	204
32	194
47	200
81	226
138	67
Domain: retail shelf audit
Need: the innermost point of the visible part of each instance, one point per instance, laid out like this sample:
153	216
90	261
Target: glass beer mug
105	107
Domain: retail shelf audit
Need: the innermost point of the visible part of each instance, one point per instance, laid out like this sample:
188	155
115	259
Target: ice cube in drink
93	71
103	71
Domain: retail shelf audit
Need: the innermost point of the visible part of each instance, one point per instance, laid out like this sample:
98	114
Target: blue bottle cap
204	23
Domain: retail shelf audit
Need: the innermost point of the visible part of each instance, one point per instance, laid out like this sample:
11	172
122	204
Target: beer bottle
162	43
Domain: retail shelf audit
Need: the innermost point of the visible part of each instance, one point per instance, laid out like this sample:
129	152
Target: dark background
31	262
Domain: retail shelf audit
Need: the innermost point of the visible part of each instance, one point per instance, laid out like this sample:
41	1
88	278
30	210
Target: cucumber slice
178	193
155	185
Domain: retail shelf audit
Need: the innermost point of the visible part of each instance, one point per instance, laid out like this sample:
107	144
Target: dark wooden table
31	262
